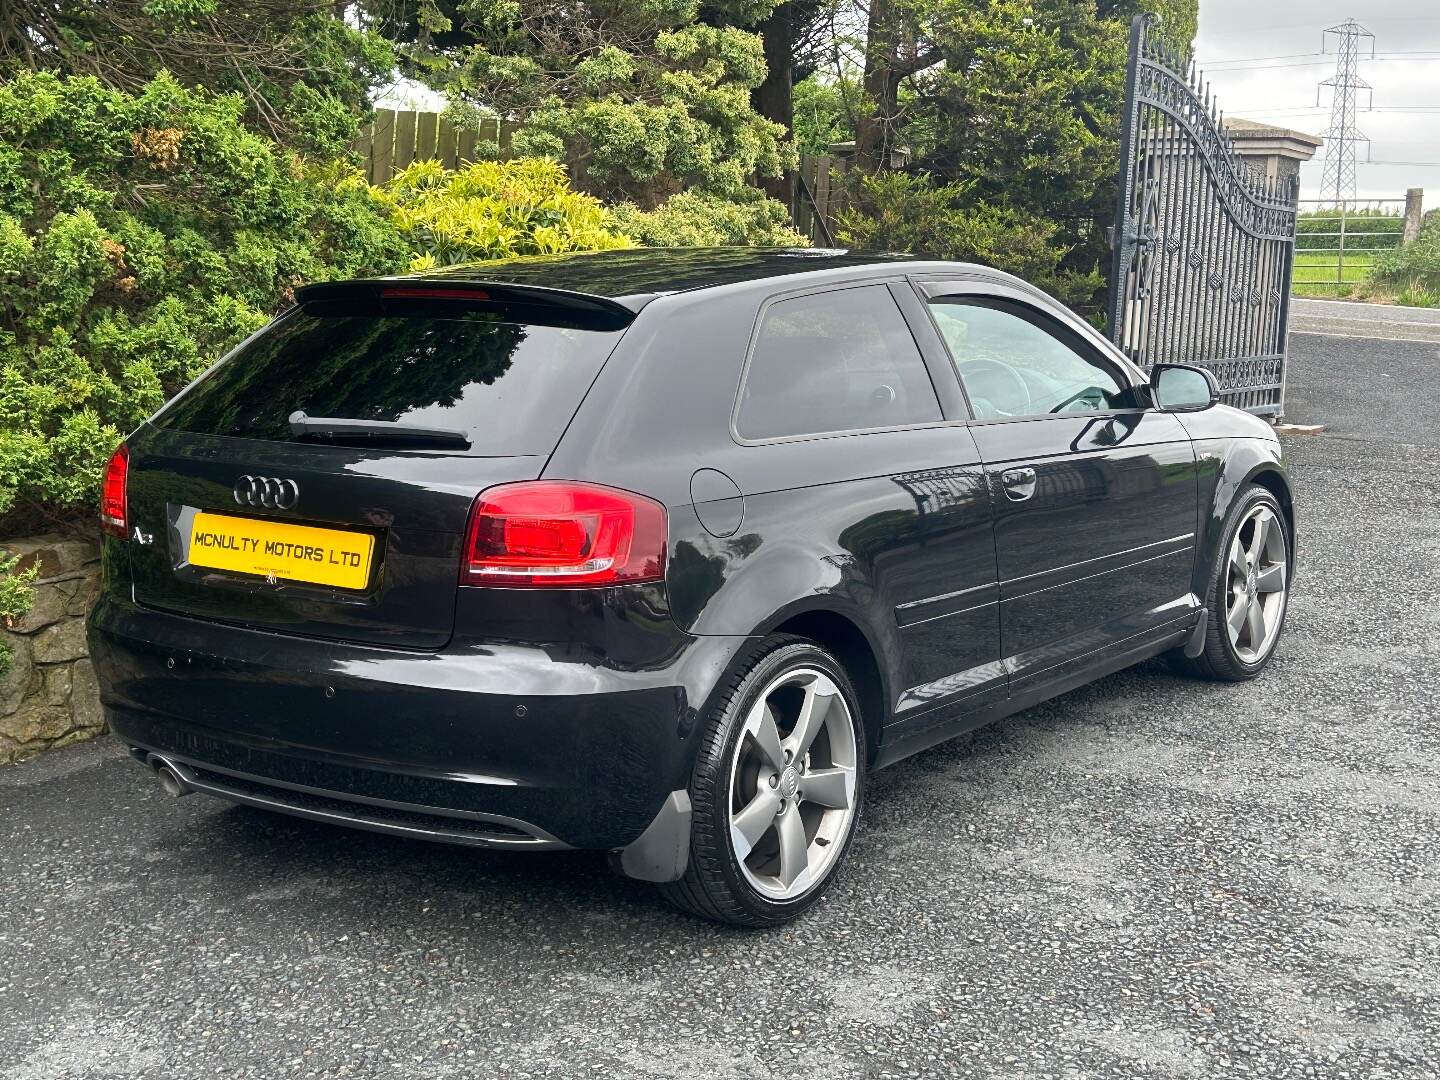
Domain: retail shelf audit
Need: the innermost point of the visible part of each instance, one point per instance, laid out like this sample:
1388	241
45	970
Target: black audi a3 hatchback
659	553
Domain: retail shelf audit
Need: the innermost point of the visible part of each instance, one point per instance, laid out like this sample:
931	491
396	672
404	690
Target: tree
824	112
1004	105
304	72
798	36
641	100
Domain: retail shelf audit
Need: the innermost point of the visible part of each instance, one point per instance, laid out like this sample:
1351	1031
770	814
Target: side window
1012	367
834	361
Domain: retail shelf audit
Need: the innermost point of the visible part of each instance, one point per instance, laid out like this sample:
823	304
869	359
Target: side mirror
1182	388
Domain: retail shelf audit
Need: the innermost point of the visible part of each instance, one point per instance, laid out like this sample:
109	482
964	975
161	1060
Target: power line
1258	29
1259	108
1292	25
1254	65
1256	59
1379	161
1263	67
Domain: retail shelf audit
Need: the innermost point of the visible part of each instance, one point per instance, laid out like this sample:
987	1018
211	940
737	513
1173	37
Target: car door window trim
932	287
1055	331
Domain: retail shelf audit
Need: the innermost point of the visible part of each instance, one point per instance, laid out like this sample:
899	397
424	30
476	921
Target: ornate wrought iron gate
1204	244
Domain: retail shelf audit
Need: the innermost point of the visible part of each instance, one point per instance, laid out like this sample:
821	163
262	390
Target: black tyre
1249	592
777	787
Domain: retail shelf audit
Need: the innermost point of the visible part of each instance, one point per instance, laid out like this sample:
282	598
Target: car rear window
511	386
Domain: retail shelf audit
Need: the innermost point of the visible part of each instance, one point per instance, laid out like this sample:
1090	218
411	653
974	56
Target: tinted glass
510	387
1012	367
835	361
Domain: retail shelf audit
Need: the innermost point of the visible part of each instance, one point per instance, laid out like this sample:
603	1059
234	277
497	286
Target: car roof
634	276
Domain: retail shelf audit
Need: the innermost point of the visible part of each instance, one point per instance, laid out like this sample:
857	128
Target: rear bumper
467	828
490	745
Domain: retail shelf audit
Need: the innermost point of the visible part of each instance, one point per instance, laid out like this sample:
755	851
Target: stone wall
49	697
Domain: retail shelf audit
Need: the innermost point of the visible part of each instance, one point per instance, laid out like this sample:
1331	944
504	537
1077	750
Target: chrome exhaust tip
171	782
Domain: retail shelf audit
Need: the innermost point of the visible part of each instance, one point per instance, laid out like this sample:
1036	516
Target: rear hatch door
334	524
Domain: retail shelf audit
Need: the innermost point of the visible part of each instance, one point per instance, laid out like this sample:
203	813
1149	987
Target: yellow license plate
274	549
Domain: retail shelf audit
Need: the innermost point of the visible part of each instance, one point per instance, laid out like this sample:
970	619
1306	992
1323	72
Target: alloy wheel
1256	577
792	784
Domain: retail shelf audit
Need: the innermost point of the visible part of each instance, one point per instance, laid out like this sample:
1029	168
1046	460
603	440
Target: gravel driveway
1146	878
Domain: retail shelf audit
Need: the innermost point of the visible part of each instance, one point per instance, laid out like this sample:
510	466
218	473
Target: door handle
1019	484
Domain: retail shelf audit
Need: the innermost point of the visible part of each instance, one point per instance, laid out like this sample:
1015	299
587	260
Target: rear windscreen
510	386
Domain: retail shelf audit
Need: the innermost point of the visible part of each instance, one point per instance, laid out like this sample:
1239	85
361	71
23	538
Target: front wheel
777	788
1249	591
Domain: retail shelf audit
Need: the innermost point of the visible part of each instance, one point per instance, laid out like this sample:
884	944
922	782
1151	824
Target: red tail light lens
401	292
114	509
555	532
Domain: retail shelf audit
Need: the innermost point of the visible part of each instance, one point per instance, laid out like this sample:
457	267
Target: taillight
114	510
555	532
423	292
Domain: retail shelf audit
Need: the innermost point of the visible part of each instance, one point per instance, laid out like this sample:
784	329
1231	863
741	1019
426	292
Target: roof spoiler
534	303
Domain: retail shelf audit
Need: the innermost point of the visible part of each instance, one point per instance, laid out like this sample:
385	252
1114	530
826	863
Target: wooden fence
819	197
395	139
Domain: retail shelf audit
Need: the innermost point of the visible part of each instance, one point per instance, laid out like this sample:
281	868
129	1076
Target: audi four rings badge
267	491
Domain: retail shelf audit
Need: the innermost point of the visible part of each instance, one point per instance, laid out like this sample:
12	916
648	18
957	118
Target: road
1365	370
1149	877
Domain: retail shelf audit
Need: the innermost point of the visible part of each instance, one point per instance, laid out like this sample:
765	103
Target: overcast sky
1281	90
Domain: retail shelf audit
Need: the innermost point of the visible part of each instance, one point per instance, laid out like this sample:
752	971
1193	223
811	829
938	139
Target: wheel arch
1274	481
845	637
1234	464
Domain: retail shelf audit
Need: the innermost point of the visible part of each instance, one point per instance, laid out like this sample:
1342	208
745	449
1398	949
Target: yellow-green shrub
493	210
695	219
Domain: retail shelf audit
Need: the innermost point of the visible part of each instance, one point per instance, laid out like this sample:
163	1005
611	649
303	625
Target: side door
852	444
1095	491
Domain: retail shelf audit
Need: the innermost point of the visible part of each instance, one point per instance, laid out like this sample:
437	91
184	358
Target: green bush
141	235
695	219
493	210
648	127
16	596
525	206
824	111
1313	229
903	212
1415	269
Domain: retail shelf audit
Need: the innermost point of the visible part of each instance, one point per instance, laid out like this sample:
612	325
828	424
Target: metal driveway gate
1204	244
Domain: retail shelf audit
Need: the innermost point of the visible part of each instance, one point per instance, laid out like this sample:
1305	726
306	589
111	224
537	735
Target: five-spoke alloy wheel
1249	588
792	795
1256	569
777	787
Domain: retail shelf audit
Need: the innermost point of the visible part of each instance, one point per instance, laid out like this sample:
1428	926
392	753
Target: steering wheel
1090	392
987	380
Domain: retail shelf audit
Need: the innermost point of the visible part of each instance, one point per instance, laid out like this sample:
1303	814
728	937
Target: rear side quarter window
834	362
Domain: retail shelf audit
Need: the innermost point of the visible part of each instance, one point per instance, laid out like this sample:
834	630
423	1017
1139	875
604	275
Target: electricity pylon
1343	134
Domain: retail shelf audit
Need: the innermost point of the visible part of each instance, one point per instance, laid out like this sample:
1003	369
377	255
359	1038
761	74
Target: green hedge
140	236
1308	224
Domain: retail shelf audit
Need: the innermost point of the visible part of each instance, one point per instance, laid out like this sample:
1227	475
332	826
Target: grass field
1317	272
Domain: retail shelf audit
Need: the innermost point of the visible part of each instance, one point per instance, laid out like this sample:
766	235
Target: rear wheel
776	790
1249	591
